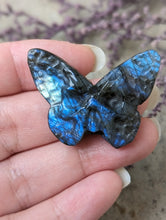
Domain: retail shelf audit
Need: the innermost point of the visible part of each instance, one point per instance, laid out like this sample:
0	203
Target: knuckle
8	217
18	184
8	133
84	161
57	210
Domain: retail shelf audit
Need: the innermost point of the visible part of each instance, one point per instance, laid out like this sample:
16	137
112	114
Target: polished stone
108	108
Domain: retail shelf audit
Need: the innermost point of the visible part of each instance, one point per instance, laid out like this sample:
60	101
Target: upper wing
52	75
133	80
64	88
121	90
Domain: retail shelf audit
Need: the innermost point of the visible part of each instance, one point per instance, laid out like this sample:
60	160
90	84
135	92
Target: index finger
15	74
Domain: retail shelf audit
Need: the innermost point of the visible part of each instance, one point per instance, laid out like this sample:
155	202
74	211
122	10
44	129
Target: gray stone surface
145	198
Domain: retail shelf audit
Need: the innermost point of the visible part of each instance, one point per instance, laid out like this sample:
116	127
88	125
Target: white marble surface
145	198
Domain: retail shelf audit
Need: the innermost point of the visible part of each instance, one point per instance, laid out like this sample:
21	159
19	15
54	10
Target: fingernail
153	98
156	122
100	57
124	175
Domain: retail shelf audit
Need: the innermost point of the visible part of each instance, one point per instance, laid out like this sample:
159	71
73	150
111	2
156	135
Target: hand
41	178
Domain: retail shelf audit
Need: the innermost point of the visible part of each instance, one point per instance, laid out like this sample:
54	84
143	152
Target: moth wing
64	88
52	75
134	79
120	130
122	90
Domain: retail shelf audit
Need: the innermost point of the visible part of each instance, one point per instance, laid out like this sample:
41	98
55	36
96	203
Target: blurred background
122	29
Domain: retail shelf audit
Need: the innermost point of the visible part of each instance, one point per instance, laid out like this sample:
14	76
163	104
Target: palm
39	174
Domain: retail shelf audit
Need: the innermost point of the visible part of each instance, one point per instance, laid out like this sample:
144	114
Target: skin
41	178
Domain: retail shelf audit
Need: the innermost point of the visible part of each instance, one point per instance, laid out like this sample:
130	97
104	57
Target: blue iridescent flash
108	108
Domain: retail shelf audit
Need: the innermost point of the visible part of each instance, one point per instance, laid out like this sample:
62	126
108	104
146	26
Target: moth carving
109	107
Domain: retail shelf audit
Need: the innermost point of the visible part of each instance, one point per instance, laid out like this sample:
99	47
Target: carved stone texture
109	107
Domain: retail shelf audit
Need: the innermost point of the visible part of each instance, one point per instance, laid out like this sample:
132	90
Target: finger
15	74
87	199
24	123
33	176
142	108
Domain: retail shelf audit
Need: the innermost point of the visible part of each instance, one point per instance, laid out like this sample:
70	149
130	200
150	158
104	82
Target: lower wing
120	130
69	129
